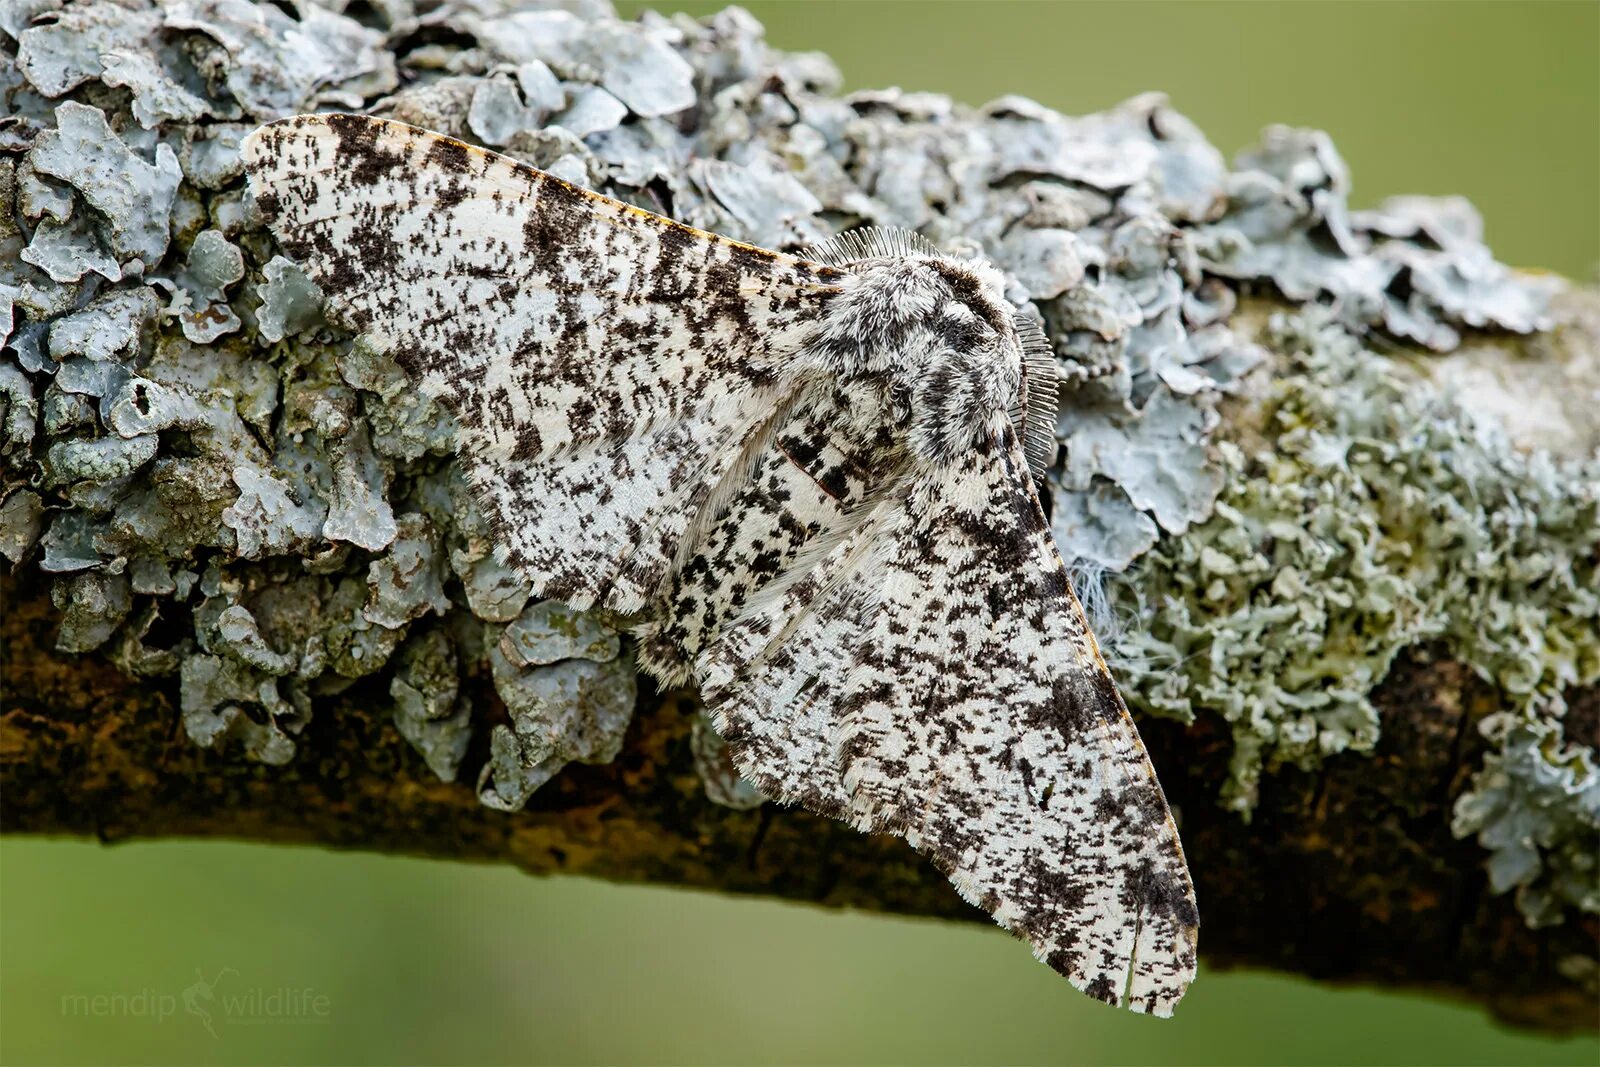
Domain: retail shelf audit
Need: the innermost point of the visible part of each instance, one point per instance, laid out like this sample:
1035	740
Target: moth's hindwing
807	485
941	657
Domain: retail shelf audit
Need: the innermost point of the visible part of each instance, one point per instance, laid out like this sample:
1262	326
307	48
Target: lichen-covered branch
1329	481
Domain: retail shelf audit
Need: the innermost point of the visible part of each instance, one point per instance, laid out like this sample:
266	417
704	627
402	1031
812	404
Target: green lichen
1371	515
1536	807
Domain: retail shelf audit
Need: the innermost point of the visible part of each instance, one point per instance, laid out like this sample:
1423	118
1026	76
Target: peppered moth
803	481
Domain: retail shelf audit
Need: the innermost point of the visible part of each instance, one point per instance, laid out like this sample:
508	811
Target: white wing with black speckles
933	676
557	324
850	560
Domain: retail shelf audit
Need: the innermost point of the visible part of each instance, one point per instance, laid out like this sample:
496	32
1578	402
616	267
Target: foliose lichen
570	694
1535	806
1369	515
718	776
184	441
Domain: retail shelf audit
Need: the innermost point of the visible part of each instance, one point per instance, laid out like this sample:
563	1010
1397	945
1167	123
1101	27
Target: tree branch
1347	873
203	483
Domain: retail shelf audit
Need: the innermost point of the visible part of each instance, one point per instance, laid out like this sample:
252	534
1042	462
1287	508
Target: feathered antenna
869	242
1033	414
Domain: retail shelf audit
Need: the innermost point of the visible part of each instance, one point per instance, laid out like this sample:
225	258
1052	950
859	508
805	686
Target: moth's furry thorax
939	327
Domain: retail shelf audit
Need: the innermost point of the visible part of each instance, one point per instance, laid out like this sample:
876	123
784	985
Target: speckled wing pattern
594	354
938	659
881	637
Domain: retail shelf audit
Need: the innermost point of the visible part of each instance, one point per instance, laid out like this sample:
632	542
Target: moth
806	483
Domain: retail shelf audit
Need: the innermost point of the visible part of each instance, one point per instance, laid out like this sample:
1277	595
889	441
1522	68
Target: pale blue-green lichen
197	296
1106	527
573	709
429	710
718	776
68	251
62	411
108	328
299	523
358	511
157	96
499	110
1373	515
21	519
1158	457
132	199
593	110
1416	265
548	632
1535	806
290	302
101	459
19	410
407	581
93	604
61	52
39	197
215	693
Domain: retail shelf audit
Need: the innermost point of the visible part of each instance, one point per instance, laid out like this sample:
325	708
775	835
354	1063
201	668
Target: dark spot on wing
449	155
357	150
1166	893
1102	989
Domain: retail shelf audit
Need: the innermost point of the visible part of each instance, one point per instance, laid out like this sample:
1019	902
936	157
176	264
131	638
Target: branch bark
1346	874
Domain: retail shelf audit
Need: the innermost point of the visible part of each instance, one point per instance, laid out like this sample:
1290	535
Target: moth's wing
940	660
604	363
775	677
812	475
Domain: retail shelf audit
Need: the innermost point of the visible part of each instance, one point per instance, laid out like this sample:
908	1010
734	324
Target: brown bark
1349	874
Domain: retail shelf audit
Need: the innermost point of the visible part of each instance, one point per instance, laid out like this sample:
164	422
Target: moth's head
974	315
942	328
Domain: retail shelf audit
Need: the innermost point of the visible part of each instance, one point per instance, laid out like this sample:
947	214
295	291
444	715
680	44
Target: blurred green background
1496	101
321	957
